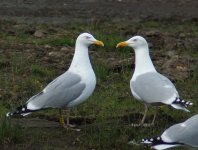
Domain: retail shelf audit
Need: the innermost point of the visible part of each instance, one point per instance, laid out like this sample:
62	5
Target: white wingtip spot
146	141
8	114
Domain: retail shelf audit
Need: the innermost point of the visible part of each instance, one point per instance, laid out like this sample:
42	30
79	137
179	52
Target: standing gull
69	89
147	85
182	134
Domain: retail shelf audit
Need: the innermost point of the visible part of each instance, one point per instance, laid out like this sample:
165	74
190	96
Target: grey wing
168	82
59	92
154	88
185	133
190	136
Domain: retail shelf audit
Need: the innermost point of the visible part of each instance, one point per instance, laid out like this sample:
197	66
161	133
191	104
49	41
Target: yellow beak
99	43
121	44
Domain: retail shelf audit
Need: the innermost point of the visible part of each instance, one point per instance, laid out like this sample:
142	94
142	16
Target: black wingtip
152	141
182	102
22	110
158	141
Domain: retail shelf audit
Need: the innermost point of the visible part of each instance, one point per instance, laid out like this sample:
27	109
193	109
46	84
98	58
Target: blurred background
37	39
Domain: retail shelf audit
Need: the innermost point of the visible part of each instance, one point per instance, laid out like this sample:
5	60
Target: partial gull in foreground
69	89
149	86
182	134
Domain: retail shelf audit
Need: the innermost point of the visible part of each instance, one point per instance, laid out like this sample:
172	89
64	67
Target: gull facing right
149	86
69	89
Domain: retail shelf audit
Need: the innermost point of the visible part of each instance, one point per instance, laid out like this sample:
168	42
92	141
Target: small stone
152	33
181	68
65	49
39	33
47	46
55	54
182	35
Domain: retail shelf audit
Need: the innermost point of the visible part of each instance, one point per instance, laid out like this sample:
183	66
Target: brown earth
61	11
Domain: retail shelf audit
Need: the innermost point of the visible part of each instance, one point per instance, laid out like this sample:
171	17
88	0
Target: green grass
9	133
111	108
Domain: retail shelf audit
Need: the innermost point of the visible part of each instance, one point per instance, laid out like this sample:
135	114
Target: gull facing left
69	89
181	134
149	86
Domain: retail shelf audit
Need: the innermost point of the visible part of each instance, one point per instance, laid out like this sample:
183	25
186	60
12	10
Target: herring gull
69	89
149	86
182	134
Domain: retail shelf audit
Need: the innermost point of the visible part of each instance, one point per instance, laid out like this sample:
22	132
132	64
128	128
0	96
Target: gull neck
143	61
81	56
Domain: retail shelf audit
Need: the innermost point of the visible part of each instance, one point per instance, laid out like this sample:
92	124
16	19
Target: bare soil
61	11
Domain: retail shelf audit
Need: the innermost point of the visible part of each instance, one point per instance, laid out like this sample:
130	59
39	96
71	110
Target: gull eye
87	37
134	40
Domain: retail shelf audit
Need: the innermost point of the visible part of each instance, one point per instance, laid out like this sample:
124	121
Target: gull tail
21	110
181	104
158	143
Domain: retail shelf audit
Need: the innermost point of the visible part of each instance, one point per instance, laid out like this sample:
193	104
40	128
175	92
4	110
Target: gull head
88	39
135	42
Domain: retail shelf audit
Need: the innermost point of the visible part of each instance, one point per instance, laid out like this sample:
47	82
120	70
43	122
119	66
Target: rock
172	54
39	33
47	46
55	54
65	49
153	33
182	35
181	68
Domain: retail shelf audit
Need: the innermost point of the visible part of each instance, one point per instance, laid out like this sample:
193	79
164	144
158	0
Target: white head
135	42
88	39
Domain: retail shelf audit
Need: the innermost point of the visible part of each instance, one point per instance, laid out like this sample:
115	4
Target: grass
26	69
9	133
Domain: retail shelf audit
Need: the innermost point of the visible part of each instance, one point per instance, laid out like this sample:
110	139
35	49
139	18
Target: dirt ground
61	11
